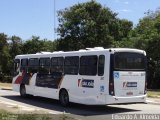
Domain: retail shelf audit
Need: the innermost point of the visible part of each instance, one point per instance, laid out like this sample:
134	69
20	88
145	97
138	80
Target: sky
25	18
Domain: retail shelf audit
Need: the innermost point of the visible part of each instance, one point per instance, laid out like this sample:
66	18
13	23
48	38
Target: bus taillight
111	88
145	88
111	79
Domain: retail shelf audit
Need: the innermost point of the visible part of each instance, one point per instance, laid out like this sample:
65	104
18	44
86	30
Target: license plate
131	84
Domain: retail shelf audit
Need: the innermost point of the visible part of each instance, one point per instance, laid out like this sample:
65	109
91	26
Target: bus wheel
64	98
23	91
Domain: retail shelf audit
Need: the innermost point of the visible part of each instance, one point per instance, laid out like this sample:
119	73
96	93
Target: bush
5	79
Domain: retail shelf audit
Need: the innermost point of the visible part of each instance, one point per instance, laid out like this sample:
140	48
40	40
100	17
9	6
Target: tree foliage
88	25
35	44
15	46
4	54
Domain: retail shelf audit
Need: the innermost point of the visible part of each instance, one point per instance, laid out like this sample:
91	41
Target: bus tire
23	91
64	98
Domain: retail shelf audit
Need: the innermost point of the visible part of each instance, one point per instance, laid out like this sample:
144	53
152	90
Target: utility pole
54	19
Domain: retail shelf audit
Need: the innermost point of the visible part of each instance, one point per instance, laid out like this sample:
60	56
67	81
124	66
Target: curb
5	88
152	102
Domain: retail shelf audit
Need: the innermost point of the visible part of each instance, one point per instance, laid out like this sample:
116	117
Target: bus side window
44	65
88	65
24	64
101	63
33	65
57	64
71	65
16	67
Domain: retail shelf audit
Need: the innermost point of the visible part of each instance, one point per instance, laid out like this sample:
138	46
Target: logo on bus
116	75
102	88
86	83
129	84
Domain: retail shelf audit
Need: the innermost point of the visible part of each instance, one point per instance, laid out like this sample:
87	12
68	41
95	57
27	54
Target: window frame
34	62
17	66
33	68
88	66
101	74
24	67
26	62
45	61
60	67
44	68
130	69
76	72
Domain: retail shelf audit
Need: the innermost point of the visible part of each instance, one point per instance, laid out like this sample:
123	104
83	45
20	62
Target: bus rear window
129	61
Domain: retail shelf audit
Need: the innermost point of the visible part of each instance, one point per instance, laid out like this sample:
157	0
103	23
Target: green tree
89	25
154	62
4	55
146	35
37	45
125	28
147	29
15	46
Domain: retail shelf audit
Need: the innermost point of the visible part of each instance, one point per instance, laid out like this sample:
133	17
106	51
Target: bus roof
87	50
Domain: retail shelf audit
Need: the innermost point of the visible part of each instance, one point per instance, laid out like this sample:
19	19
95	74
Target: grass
153	93
5	115
6	85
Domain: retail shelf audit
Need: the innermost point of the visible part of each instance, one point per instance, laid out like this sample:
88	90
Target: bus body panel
79	92
30	88
46	92
129	83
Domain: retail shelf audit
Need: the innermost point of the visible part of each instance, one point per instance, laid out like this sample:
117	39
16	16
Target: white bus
94	76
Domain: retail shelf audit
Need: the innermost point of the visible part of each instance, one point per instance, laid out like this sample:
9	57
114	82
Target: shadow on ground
76	109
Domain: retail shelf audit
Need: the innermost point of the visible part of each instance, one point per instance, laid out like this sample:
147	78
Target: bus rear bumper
125	100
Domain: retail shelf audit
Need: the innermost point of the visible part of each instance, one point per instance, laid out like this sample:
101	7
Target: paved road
12	101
